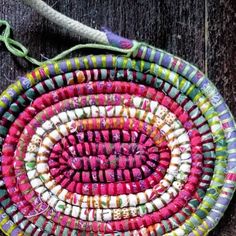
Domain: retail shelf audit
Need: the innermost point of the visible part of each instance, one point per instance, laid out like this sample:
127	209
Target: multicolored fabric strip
111	145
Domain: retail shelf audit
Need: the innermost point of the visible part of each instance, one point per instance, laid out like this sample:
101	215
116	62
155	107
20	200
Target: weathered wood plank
222	48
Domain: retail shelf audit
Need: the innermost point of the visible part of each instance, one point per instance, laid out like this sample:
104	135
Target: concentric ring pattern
111	145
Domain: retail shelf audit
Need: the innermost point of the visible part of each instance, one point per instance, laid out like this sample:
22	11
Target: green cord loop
19	50
13	46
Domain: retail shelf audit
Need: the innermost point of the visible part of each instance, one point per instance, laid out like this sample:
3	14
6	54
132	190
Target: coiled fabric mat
115	145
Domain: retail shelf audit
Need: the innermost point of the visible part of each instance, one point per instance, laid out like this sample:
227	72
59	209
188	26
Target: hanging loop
106	40
19	50
13	46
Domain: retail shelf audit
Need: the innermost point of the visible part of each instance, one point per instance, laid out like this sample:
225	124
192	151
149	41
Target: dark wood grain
200	31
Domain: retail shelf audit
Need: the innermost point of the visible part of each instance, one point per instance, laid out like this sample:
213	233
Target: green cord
13	46
19	50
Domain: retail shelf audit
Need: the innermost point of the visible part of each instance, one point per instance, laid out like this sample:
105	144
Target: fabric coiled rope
140	143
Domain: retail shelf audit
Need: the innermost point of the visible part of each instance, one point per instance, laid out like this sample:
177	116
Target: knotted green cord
13	46
19	50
